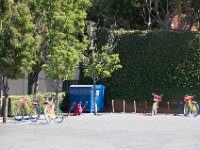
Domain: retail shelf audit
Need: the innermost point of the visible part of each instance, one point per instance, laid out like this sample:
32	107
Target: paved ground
122	131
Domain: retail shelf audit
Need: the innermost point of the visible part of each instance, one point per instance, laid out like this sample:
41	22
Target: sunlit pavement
104	131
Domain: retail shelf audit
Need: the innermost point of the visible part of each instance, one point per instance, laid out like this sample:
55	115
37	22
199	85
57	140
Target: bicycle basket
187	98
157	98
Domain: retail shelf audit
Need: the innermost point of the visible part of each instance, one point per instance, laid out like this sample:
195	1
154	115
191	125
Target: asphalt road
119	131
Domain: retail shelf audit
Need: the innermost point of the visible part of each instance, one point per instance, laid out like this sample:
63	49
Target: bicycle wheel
186	109
47	116
195	109
19	113
35	113
58	115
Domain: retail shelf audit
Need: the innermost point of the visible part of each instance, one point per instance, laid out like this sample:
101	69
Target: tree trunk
57	91
33	79
1	108
57	99
57	84
167	24
5	100
30	83
0	95
5	109
95	97
36	83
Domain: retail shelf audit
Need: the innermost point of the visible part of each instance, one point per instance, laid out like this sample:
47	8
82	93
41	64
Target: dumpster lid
87	86
81	85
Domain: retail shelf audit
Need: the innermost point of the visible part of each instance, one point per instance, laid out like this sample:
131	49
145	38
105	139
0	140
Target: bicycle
52	112
190	107
157	99
40	102
23	110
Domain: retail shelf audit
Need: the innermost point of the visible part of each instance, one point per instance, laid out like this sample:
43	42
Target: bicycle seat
34	103
46	102
21	101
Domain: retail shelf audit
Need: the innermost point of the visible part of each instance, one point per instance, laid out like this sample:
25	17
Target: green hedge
159	62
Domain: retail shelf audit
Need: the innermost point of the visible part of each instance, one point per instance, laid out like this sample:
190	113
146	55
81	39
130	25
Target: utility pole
92	37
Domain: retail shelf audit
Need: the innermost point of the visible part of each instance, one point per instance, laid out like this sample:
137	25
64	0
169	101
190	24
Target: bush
155	62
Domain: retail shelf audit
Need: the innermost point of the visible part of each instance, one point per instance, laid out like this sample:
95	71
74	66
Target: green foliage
66	37
155	62
125	13
143	14
63	64
18	43
102	64
188	73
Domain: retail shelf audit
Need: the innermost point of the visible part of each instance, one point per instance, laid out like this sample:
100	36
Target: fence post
134	107
167	108
124	105
113	107
145	107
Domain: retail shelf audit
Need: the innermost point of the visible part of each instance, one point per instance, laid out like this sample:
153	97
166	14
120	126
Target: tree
18	44
66	39
158	14
39	12
142	14
100	63
124	13
192	10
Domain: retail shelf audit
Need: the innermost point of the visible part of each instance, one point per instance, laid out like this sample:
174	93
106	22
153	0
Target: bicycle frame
51	108
24	105
40	104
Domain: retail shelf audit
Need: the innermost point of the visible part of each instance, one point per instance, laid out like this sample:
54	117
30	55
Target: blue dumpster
84	93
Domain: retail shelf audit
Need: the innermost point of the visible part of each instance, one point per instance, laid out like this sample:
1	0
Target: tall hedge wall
161	62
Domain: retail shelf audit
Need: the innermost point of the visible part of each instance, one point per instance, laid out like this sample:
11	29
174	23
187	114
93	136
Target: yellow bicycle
191	106
52	112
25	110
157	99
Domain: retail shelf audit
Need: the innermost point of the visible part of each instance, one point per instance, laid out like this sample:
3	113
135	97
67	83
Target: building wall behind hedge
160	62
